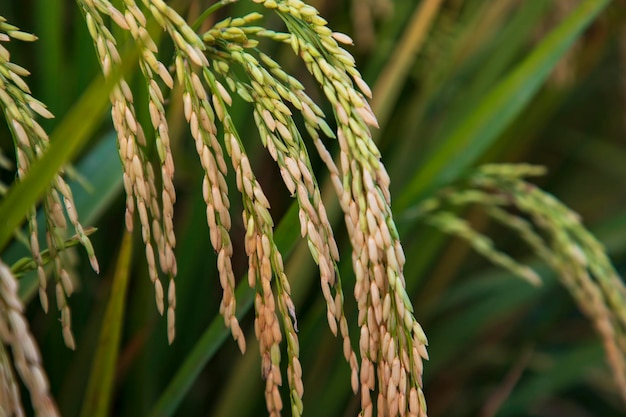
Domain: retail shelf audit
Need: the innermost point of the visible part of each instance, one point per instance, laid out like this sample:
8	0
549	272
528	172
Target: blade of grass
67	139
483	126
212	338
504	43
456	77
389	83
98	396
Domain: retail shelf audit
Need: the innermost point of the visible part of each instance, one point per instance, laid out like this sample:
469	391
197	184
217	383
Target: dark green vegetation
456	84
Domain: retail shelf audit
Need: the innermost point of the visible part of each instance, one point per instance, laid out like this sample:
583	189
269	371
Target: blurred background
498	346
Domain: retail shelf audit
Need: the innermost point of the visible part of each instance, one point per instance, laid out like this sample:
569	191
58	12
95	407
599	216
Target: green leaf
100	386
389	82
212	338
73	132
492	115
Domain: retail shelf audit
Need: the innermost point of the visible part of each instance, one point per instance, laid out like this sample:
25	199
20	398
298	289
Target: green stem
101	381
209	11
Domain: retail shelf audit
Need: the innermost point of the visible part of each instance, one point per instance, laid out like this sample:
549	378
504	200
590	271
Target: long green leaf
389	83
100	386
67	139
483	126
212	338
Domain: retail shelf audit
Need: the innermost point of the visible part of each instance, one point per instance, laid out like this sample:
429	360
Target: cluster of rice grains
25	355
139	175
392	343
555	234
30	142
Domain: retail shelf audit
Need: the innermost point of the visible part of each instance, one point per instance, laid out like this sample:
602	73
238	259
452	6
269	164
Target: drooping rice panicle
451	223
583	267
555	234
151	67
265	262
31	141
139	177
10	401
391	339
14	332
201	118
270	89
